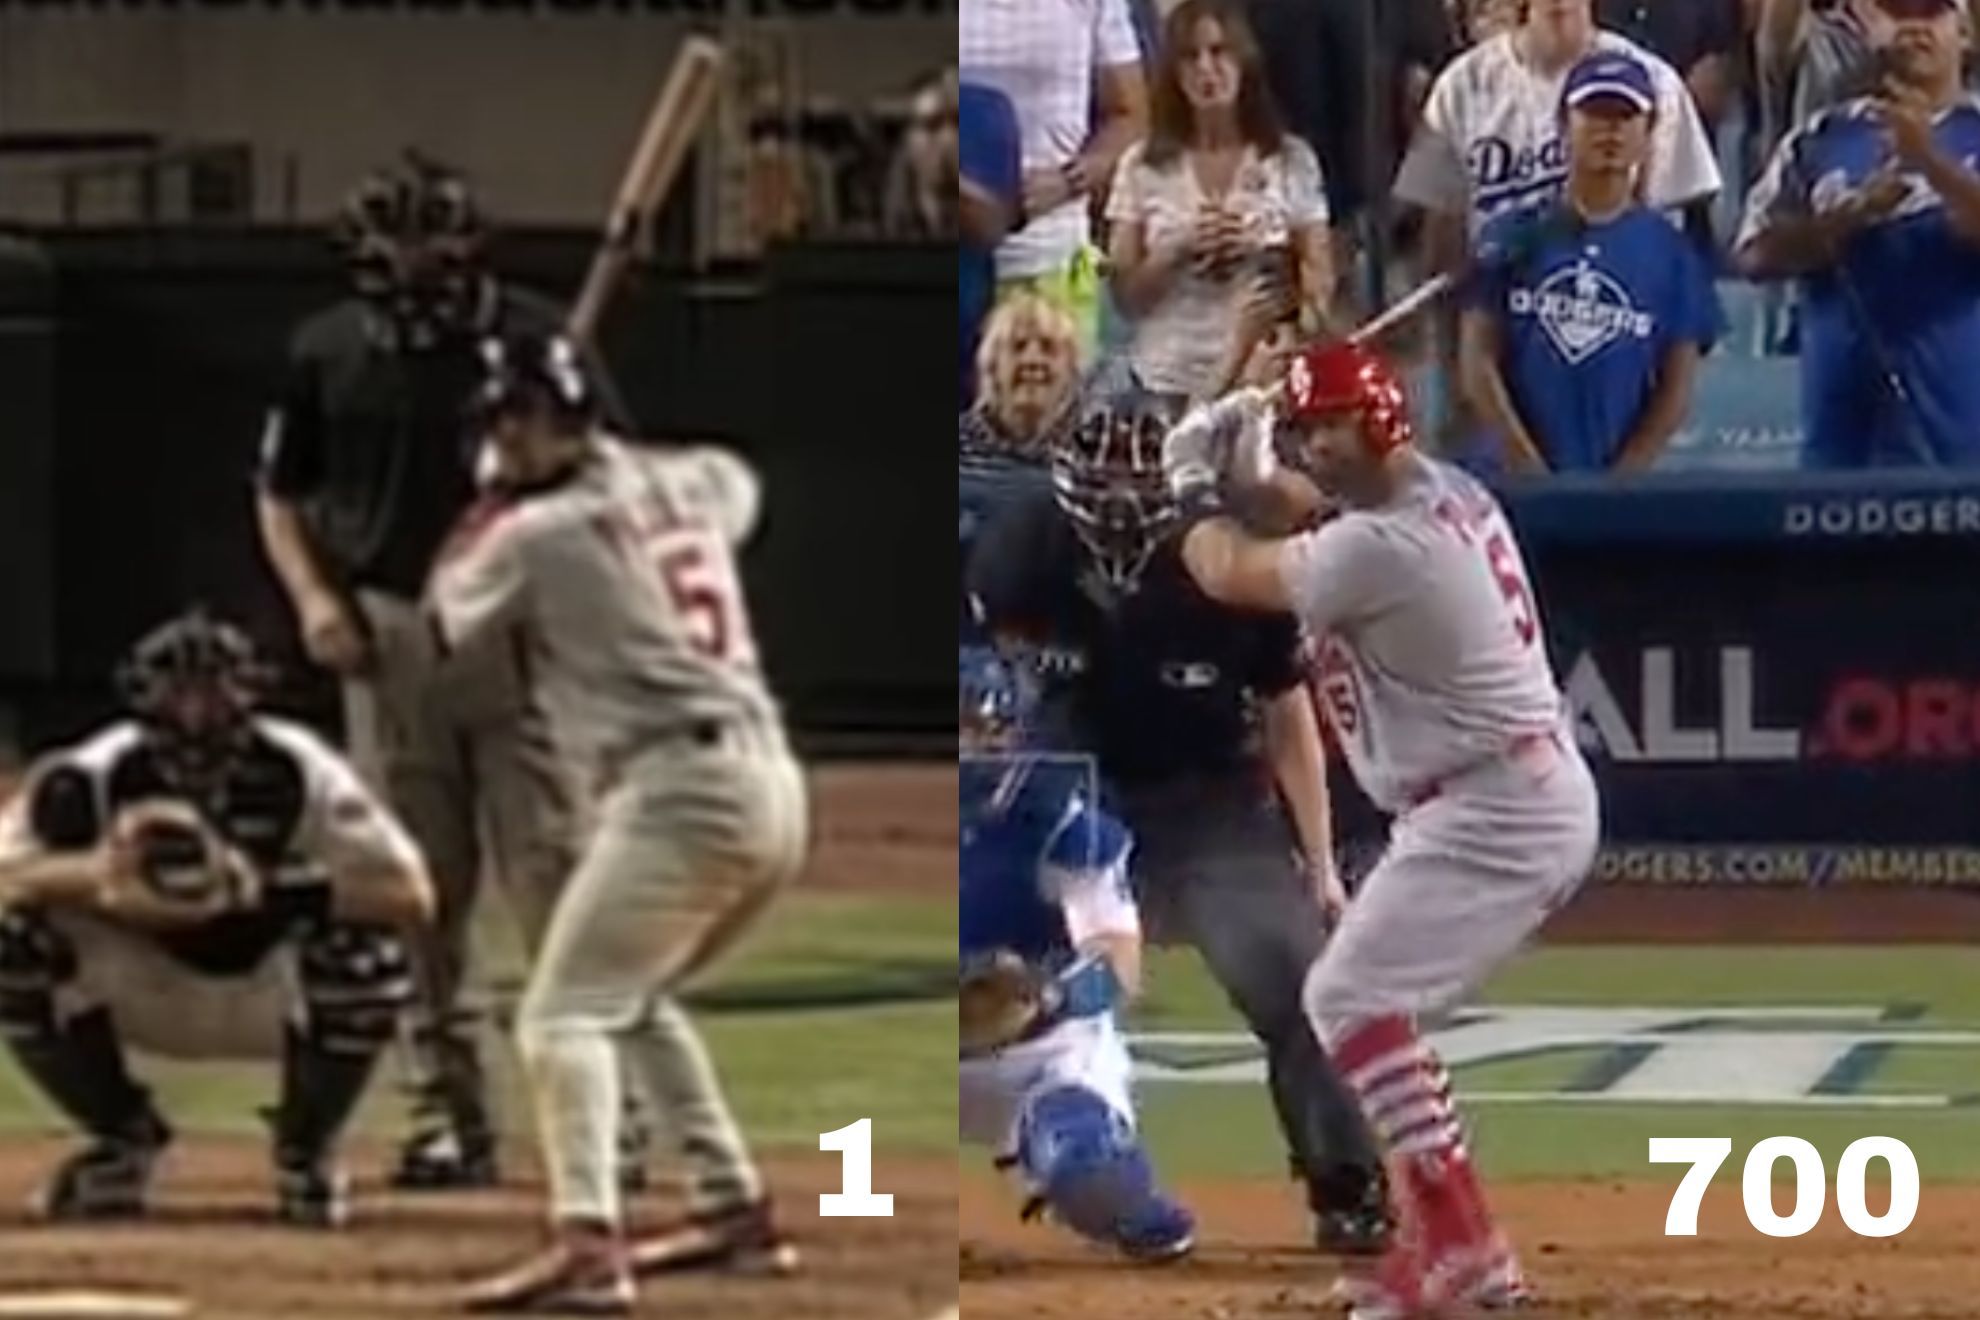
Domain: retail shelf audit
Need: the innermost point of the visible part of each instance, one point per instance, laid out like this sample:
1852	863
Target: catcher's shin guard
356	980
452	1144
1086	1165
78	1064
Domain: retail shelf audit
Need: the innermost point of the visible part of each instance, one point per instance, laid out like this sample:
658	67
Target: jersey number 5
1512	585
695	591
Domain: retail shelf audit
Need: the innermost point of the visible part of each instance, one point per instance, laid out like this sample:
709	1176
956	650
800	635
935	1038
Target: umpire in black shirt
364	470
1196	714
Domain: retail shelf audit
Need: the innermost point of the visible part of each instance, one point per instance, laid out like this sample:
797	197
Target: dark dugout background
135	371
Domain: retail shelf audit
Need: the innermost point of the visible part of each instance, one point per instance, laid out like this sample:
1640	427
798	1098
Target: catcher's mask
1107	477
413	238
193	685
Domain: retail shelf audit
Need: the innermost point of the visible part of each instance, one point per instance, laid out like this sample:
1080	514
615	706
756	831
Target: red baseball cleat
1390	1287
745	1240
583	1272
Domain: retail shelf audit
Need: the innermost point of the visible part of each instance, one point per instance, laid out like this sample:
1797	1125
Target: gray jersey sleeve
734	492
1338	573
480	586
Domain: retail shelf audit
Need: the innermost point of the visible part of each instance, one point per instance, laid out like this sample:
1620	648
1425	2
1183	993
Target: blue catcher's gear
989	701
1025	817
1087	988
1086	1165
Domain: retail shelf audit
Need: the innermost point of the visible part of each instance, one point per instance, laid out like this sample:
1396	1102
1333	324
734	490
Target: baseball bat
672	125
1402	309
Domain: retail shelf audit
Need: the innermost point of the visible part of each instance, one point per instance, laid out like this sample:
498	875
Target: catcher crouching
208	883
1050	946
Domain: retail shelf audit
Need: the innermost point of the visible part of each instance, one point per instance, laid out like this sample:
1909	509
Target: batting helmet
193	685
1329	379
525	371
1107	476
413	237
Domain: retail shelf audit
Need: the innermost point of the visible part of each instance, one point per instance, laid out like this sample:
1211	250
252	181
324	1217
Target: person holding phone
1217	200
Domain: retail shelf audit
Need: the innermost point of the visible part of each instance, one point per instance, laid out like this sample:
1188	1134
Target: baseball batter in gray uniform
1435	677
363	471
617	566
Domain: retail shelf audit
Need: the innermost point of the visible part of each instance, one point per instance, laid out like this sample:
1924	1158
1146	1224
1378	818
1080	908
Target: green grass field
840	1007
1212	1129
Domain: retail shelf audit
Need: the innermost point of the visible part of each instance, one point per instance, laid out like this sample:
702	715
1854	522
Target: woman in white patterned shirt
1216	200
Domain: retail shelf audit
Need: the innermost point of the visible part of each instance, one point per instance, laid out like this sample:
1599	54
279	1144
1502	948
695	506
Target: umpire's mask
1107	477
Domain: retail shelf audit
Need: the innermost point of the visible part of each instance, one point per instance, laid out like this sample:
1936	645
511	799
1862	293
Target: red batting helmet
1323	380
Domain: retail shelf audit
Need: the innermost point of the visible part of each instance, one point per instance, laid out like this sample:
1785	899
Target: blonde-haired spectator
1217	199
1028	368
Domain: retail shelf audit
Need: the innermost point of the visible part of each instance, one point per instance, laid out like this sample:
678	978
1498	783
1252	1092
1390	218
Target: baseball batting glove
167	867
1212	441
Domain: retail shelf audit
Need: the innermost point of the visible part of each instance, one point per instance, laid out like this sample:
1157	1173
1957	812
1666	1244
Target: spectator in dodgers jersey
1584	330
991	177
1072	70
1875	206
1491	138
1218	194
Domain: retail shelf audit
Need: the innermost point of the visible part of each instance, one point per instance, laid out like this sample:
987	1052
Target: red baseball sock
1406	1095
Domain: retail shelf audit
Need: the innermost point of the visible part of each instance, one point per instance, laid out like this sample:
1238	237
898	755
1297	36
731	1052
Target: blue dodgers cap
1610	74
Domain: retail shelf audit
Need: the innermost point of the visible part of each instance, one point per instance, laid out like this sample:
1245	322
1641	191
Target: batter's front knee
1338	998
553	1010
355	981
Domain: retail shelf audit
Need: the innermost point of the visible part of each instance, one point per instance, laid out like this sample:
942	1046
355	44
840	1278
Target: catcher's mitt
1001	997
177	860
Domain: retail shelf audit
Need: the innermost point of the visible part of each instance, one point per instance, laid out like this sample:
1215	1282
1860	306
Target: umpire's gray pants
469	766
1215	866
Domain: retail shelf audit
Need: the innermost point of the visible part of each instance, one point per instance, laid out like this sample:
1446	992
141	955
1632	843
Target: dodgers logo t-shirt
1587	314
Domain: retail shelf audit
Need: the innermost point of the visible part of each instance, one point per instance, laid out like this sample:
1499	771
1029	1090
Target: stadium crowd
1632	196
